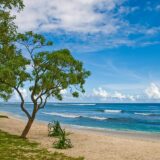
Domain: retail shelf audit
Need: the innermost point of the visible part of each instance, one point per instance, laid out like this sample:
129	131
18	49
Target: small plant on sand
3	116
54	129
63	142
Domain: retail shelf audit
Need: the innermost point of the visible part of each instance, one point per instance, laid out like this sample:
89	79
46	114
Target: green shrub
3	116
63	142
54	129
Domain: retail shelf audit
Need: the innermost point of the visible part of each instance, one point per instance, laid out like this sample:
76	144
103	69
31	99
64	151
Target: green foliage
3	116
53	71
7	25
54	129
9	4
12	63
15	148
63	142
12	72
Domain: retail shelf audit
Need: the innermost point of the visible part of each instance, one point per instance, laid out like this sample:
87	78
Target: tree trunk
27	128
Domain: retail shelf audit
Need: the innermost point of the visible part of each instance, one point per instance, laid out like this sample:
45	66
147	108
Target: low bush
54	129
3	116
63	142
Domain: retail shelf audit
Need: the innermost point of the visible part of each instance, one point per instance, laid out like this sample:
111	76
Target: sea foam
112	111
96	117
75	116
62	115
147	114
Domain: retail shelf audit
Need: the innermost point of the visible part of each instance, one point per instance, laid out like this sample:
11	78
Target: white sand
93	145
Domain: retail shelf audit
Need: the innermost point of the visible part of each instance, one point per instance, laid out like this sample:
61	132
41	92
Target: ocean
122	117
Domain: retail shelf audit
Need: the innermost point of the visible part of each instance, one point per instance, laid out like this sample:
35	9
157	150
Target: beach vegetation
8	51
54	129
16	148
63	141
3	116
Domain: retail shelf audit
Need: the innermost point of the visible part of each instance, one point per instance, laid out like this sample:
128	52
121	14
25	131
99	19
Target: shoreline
104	131
93	145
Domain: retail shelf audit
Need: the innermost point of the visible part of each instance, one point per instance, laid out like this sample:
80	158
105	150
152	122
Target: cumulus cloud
119	95
100	93
104	95
85	19
24	92
153	91
72	15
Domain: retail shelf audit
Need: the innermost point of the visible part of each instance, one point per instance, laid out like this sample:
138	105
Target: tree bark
27	128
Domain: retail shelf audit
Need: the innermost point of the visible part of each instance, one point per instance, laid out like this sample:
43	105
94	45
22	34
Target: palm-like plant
54	129
63	142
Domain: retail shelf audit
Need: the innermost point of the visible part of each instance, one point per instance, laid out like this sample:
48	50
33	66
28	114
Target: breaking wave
74	104
63	115
112	111
96	117
75	116
147	114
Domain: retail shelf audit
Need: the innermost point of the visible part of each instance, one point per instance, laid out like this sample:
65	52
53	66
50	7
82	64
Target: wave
112	111
75	116
83	104
147	114
75	104
63	115
96	117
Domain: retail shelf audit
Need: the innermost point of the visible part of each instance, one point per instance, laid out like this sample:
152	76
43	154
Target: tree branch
45	101
22	103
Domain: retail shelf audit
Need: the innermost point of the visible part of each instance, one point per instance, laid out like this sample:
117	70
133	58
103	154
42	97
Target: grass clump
63	142
15	148
3	116
55	130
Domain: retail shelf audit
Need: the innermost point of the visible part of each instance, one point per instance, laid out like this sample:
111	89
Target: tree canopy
51	71
9	55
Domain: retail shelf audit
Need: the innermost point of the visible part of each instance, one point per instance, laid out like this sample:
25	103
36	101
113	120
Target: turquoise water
135	117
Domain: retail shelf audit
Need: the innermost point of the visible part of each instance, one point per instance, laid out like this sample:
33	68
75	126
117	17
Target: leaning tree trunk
29	123
27	128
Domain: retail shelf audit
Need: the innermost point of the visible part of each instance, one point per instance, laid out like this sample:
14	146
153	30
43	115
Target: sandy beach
93	145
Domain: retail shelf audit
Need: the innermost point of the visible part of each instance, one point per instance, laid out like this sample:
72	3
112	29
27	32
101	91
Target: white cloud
100	93
105	95
97	17
153	91
127	10
23	91
119	95
71	15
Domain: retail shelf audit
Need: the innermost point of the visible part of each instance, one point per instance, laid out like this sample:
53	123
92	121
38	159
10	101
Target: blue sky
117	40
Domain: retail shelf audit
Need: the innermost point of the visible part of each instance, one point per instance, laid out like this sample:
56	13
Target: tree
7	25
52	72
8	51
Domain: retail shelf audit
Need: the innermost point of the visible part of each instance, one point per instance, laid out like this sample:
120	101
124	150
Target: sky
117	40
